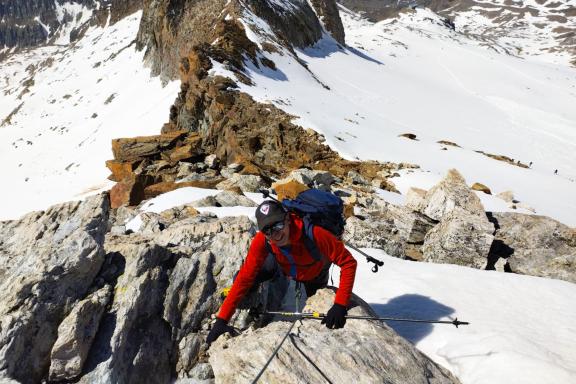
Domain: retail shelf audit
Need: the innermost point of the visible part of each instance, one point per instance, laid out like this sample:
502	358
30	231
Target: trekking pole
320	316
370	259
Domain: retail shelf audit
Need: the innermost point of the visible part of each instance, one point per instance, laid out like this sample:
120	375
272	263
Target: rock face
368	347
49	261
397	230
535	245
460	238
30	23
451	193
170	30
463	235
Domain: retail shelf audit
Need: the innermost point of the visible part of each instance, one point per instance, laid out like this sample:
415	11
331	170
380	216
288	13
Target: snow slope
60	108
415	75
522	328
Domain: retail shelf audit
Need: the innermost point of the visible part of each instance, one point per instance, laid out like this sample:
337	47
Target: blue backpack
321	208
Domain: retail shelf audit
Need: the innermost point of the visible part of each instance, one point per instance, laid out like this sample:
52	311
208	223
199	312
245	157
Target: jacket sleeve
335	250
246	276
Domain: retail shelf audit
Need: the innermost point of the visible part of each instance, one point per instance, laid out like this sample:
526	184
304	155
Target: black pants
271	270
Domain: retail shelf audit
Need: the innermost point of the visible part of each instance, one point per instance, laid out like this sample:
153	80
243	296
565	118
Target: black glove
336	317
219	327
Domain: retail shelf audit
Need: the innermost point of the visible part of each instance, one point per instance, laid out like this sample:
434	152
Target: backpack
320	208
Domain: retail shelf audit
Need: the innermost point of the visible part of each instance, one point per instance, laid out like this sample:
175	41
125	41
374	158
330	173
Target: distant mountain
30	23
542	28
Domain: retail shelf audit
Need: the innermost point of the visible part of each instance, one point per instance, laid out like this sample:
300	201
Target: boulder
460	238
338	356
415	199
76	334
224	199
289	189
130	191
130	149
535	245
48	261
481	188
122	169
396	229
451	193
247	183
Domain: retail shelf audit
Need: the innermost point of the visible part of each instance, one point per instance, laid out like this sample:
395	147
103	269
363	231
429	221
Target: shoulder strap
308	237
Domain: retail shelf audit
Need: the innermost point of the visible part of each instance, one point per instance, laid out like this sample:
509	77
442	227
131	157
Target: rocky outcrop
460	238
371	348
49	261
171	30
534	245
327	11
397	230
451	193
463	235
76	335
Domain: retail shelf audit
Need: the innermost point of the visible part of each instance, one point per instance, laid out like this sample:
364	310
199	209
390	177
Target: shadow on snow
411	306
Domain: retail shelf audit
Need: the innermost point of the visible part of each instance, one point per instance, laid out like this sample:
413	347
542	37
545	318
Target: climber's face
279	233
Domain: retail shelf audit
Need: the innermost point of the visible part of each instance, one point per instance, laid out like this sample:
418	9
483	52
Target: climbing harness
320	316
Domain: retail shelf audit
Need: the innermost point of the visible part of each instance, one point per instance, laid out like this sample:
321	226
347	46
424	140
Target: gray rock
247	183
415	199
48	261
76	334
460	238
535	245
397	230
312	178
356	178
225	199
212	161
371	348
135	344
451	193
185	170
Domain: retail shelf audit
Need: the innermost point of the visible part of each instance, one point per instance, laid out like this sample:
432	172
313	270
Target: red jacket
307	268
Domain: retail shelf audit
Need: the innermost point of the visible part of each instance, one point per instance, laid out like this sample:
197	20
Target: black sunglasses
273	228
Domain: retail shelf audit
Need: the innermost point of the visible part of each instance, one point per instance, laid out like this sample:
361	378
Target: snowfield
60	108
415	75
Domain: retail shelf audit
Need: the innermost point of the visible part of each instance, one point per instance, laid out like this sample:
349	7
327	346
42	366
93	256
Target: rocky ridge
210	117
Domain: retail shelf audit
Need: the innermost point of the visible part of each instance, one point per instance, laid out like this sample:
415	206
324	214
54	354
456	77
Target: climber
281	234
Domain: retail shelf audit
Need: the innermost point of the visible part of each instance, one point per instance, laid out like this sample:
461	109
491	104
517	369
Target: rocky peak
171	30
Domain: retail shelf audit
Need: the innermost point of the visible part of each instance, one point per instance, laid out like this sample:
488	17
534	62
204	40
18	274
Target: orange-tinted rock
289	190
129	191
122	169
482	188
130	149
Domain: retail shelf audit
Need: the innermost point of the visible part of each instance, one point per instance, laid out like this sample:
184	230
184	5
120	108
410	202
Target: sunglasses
272	229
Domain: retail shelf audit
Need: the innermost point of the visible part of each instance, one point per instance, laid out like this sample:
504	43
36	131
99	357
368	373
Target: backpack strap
308	237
